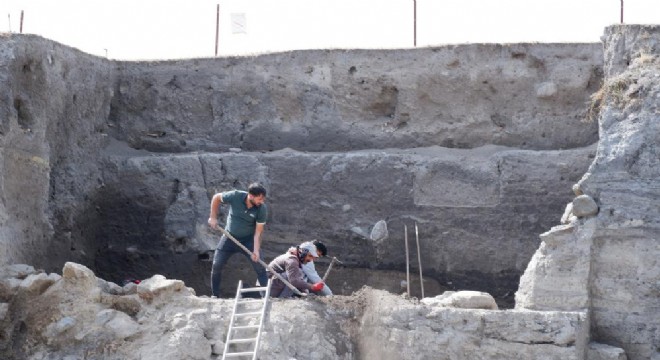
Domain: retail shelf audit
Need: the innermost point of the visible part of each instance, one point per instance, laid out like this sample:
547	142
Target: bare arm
213	216
259	228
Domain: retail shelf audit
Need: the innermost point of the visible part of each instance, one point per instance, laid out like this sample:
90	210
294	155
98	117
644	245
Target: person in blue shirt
309	269
245	222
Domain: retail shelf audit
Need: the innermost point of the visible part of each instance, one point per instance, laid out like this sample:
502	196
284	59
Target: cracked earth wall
478	144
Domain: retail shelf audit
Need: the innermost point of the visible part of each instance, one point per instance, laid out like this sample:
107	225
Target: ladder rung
242	341
254	289
245	327
237	354
248	314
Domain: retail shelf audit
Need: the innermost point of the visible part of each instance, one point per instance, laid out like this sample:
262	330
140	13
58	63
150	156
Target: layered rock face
608	263
77	315
478	144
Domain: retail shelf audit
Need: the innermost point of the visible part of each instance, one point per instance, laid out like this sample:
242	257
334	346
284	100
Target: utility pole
217	28
415	23
21	28
622	11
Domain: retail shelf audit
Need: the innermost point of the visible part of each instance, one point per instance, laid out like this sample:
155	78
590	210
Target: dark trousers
226	248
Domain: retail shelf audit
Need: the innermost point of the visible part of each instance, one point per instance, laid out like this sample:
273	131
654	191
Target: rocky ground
79	316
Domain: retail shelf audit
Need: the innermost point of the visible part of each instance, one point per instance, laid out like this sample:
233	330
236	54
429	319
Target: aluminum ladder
241	337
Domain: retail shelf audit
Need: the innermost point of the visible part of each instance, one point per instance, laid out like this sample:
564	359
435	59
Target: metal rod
238	243
217	28
9	21
415	23
622	11
419	260
21	27
405	236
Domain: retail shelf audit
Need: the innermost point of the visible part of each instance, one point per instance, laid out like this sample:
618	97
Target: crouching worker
289	266
311	276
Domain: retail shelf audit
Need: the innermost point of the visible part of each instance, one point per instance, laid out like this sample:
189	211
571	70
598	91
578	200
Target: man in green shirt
245	222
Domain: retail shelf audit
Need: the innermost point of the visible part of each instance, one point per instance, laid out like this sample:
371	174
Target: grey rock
4	308
118	323
130	288
109	287
158	287
18	271
463	300
584	206
568	216
563	258
80	276
577	190
65	324
38	283
597	351
546	90
379	231
9	287
61	325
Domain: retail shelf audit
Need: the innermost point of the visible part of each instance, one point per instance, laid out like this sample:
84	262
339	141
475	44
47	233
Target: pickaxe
327	272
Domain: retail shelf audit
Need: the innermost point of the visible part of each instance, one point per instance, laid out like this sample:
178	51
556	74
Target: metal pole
238	243
419	260
217	28
9	21
405	235
21	28
415	23
622	11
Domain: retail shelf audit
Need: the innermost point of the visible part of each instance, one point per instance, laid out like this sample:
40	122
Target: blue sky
150	29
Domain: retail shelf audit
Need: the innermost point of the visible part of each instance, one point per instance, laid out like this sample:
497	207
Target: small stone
120	324
235	150
584	205
64	324
4	308
79	275
568	214
19	271
577	190
597	351
38	283
546	90
463	300
379	231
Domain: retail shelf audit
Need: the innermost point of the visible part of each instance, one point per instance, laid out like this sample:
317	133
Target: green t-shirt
242	221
